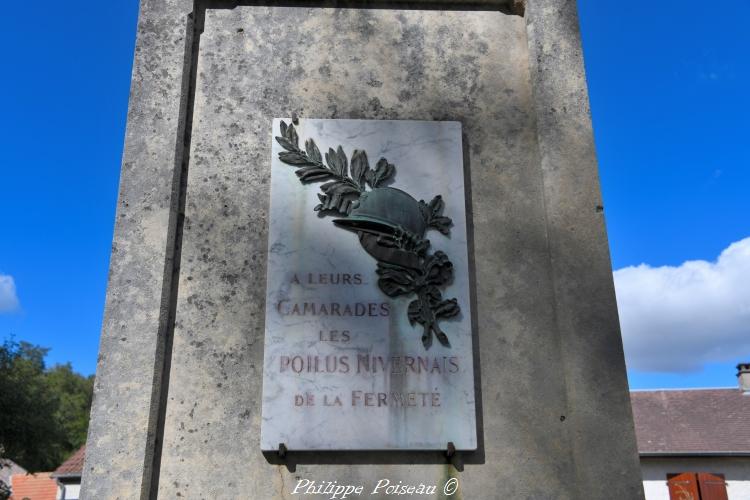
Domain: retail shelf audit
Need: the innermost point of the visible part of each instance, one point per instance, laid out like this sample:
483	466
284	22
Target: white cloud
676	319
8	297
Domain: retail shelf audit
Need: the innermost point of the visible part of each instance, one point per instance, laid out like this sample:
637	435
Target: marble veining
343	367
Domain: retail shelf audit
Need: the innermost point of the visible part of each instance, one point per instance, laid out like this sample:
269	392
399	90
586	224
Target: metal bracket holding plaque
342	367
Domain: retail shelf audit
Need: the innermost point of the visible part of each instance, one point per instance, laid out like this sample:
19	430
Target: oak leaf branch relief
389	222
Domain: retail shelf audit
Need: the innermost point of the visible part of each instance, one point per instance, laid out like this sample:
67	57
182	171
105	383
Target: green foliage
43	412
74	392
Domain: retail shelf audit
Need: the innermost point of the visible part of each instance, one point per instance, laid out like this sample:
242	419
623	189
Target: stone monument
360	248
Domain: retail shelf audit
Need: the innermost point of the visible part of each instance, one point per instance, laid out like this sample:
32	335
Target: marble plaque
348	366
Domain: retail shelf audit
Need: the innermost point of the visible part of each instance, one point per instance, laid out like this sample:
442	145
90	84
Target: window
697	486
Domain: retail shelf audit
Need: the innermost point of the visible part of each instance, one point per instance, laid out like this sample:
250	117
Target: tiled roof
73	465
701	421
38	486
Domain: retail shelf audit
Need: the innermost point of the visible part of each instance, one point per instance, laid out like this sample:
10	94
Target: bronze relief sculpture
390	225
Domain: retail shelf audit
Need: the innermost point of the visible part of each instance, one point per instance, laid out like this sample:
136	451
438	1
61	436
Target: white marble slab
345	405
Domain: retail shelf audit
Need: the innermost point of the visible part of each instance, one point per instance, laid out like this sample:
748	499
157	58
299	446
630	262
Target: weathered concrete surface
256	63
537	325
121	437
599	413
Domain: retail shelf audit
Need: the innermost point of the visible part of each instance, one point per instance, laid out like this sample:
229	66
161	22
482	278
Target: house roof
692	422
38	486
7	468
73	466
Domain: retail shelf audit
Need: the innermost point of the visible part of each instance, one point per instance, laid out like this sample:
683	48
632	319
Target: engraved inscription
342	345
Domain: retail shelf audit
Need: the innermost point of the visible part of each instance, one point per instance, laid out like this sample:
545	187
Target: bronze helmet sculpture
389	223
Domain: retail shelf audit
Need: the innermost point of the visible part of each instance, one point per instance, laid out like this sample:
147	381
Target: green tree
43	412
74	393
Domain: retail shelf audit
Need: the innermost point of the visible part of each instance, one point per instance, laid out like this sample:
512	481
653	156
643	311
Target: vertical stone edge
599	413
128	386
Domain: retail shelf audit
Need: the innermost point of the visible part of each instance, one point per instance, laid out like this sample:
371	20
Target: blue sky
668	86
668	83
